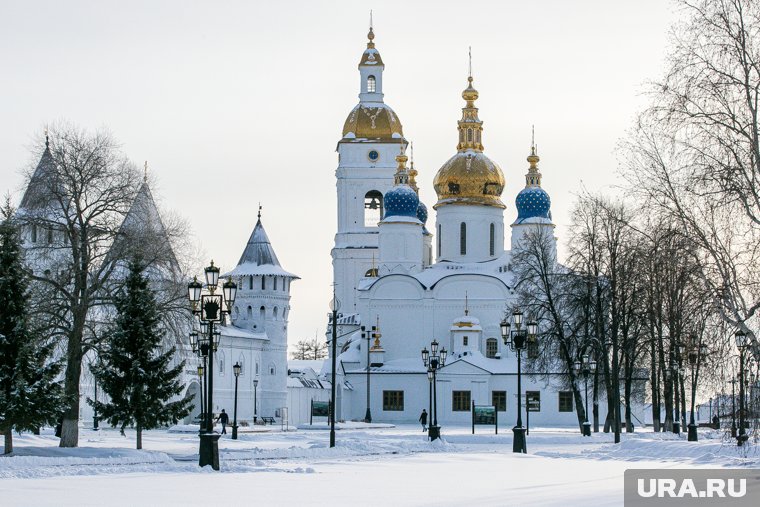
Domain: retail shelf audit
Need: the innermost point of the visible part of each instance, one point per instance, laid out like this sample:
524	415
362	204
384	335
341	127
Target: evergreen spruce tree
29	395
133	371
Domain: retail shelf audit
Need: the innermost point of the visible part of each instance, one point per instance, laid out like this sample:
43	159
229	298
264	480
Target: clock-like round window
373	156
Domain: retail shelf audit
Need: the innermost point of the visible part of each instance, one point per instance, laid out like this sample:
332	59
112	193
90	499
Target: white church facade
401	285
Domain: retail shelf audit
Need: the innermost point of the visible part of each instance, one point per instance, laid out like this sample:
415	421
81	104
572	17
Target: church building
403	282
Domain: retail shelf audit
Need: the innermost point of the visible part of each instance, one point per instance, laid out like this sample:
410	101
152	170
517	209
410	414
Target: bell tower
367	153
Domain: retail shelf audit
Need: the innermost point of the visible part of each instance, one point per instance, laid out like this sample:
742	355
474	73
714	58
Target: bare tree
548	292
695	153
76	216
312	348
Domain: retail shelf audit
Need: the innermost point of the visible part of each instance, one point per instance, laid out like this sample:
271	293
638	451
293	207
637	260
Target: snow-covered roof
34	195
237	332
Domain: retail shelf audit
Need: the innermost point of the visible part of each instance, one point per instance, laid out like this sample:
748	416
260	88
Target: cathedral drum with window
386	276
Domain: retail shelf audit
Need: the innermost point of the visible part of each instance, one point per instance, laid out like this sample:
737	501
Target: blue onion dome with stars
533	201
402	200
422	212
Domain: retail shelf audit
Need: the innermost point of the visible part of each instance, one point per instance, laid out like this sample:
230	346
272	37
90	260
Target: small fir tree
134	372
29	395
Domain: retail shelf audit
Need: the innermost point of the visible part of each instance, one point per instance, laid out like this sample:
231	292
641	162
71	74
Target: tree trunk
655	389
139	437
70	426
8	441
628	418
596	401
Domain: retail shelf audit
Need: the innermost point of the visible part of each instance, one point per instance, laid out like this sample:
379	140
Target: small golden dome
470	94
367	122
469	177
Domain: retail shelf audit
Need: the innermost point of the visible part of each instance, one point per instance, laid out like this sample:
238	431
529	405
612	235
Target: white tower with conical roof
370	142
260	321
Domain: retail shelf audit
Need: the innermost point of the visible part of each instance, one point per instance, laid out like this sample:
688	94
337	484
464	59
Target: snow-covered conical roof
34	196
258	257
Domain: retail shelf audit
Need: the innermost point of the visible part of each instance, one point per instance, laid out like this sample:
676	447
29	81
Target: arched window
241	362
492	246
371	84
262	313
257	368
469	135
275	312
237	312
34	233
373	208
492	347
50	236
275	283
220	359
263	282
250	313
250	282
463	238
272	369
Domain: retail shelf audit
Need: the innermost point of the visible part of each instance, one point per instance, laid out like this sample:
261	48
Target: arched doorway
194	391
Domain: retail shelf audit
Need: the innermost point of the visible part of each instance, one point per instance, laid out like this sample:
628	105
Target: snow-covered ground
369	466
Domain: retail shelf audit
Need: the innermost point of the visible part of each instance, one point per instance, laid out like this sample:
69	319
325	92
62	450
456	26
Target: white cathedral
386	274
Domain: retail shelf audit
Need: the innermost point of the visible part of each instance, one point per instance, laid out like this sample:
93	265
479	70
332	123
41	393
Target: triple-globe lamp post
211	308
434	359
585	367
517	340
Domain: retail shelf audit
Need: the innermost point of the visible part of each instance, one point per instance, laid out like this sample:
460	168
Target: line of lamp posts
211	309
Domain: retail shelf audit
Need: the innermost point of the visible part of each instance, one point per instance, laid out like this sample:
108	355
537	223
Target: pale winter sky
236	102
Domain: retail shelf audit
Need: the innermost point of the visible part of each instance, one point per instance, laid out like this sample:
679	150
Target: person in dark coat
423	419
224	419
716	422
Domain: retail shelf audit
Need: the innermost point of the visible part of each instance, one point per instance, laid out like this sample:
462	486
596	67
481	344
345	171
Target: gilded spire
413	173
402	175
47	139
470	127
371	34
377	335
533	177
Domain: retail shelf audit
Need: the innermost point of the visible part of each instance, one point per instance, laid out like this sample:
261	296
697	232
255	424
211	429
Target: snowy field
369	466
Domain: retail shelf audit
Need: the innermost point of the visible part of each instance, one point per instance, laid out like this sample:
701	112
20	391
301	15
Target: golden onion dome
469	177
376	121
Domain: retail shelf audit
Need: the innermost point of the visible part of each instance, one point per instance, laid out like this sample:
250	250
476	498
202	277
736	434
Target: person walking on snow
423	419
224	419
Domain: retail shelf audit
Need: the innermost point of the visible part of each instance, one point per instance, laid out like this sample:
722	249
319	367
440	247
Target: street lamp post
369	336
255	387
696	355
742	342
586	367
201	369
434	360
210	308
733	407
236	371
517	340
334	307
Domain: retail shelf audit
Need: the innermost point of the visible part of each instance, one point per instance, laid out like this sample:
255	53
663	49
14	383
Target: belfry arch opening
373	208
371	85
